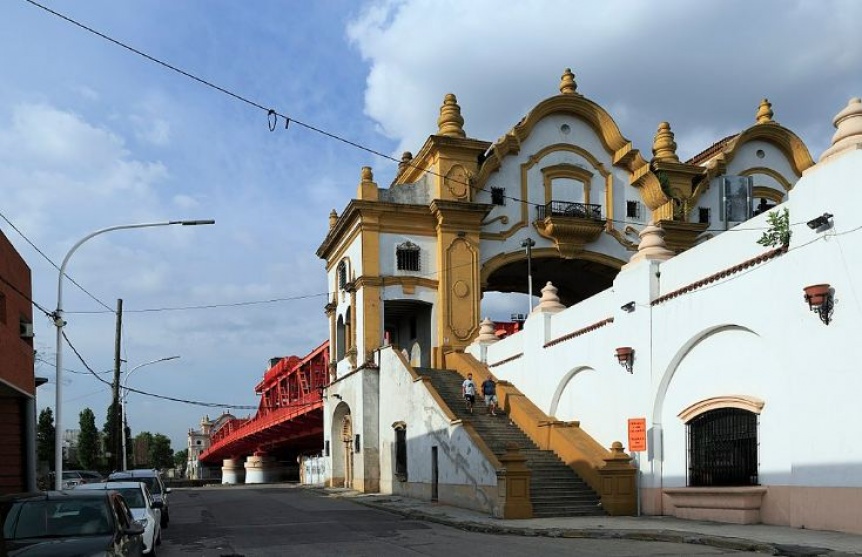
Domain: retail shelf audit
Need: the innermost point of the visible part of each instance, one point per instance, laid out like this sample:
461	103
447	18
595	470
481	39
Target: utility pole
117	426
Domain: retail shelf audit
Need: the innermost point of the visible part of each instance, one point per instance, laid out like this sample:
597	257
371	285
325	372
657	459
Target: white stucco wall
749	333
460	462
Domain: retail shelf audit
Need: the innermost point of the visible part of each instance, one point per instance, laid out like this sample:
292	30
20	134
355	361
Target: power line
273	115
145	393
49	260
26	297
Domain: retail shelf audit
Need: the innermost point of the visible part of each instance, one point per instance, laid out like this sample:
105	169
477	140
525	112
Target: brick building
17	382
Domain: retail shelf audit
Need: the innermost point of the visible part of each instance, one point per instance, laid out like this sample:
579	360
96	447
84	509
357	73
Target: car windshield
57	519
134	497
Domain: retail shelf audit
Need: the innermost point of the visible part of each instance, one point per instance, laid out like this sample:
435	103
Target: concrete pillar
232	471
261	469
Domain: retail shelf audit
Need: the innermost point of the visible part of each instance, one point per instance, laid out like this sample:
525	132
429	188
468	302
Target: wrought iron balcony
569	209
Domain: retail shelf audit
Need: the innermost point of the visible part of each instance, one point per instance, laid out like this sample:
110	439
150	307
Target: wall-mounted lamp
336	395
820	222
819	298
626	357
629	307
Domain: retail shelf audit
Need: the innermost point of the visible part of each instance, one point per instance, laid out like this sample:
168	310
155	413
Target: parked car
153	479
144	509
60	523
90	476
71	478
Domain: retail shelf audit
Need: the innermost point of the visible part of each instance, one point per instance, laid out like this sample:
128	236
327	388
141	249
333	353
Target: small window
703	215
633	210
401	453
498	196
407	257
342	275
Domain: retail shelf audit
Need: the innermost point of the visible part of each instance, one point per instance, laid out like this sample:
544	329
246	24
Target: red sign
637	435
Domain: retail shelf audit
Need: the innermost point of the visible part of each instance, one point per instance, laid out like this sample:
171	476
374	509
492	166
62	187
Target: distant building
199	441
71	439
17	380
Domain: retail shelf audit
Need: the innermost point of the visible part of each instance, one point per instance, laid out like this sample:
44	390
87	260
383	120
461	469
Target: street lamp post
59	324
529	243
124	395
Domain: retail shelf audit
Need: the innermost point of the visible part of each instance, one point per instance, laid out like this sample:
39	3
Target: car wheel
159	539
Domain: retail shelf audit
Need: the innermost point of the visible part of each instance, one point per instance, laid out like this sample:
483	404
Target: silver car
145	510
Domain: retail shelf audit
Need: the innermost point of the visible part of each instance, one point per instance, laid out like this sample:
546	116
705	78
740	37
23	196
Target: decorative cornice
506	360
742	402
762	258
579	332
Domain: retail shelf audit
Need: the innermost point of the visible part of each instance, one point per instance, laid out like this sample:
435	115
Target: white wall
749	333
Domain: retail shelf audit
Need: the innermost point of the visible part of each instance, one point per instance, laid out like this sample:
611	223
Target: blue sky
92	135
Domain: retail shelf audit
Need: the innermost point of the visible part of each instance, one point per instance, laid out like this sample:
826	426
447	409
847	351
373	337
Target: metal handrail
569	209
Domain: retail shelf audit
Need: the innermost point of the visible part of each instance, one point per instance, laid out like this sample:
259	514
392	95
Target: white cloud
696	65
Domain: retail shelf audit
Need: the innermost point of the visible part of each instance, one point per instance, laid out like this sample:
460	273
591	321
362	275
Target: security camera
819	222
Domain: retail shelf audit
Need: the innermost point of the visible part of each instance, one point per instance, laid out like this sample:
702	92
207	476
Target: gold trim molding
742	402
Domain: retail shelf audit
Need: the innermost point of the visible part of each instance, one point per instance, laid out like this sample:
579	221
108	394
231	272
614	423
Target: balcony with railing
569	209
571	225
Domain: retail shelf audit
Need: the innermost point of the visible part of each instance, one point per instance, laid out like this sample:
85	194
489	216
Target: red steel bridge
289	420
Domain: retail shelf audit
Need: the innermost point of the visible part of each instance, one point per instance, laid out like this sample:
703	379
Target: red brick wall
12	442
16	354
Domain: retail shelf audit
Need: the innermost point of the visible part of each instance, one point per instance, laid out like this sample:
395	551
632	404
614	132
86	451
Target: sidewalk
771	540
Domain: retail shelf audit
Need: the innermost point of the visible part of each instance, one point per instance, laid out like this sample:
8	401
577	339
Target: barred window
703	215
722	448
407	257
633	210
498	196
342	275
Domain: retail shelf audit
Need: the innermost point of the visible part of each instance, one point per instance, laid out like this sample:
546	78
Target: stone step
555	488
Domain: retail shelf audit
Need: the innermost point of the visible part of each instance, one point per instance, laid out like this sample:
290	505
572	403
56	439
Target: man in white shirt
468	388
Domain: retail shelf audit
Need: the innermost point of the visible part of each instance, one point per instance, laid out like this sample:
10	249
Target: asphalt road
277	521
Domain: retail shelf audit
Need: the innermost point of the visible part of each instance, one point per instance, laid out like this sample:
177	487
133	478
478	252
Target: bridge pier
261	468
232	472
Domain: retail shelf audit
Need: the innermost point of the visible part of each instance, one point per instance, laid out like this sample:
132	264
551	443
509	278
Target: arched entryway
341	439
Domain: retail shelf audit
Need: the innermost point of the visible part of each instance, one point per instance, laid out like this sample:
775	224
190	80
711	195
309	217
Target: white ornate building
747	395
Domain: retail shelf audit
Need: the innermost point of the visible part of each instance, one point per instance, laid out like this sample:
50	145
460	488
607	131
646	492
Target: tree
115	460
161	454
141	452
45	433
180	458
88	441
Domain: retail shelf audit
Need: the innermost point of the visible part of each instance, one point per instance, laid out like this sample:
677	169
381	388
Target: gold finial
406	157
663	146
367	175
567	83
764	112
450	122
333	218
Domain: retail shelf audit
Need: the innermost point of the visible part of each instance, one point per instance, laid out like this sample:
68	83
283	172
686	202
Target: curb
669	536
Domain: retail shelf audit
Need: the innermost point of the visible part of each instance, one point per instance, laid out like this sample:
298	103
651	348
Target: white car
144	509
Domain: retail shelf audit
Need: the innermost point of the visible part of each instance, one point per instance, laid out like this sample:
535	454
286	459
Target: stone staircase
555	489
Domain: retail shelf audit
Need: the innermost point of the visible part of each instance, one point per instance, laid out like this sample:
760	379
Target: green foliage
112	439
180	458
88	441
778	233
161	454
45	437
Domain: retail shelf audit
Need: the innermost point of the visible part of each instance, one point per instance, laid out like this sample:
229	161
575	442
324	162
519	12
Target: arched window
722	448
407	256
341	273
400	450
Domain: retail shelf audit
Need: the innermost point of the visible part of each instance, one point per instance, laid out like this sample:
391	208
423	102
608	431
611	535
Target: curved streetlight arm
59	324
124	395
